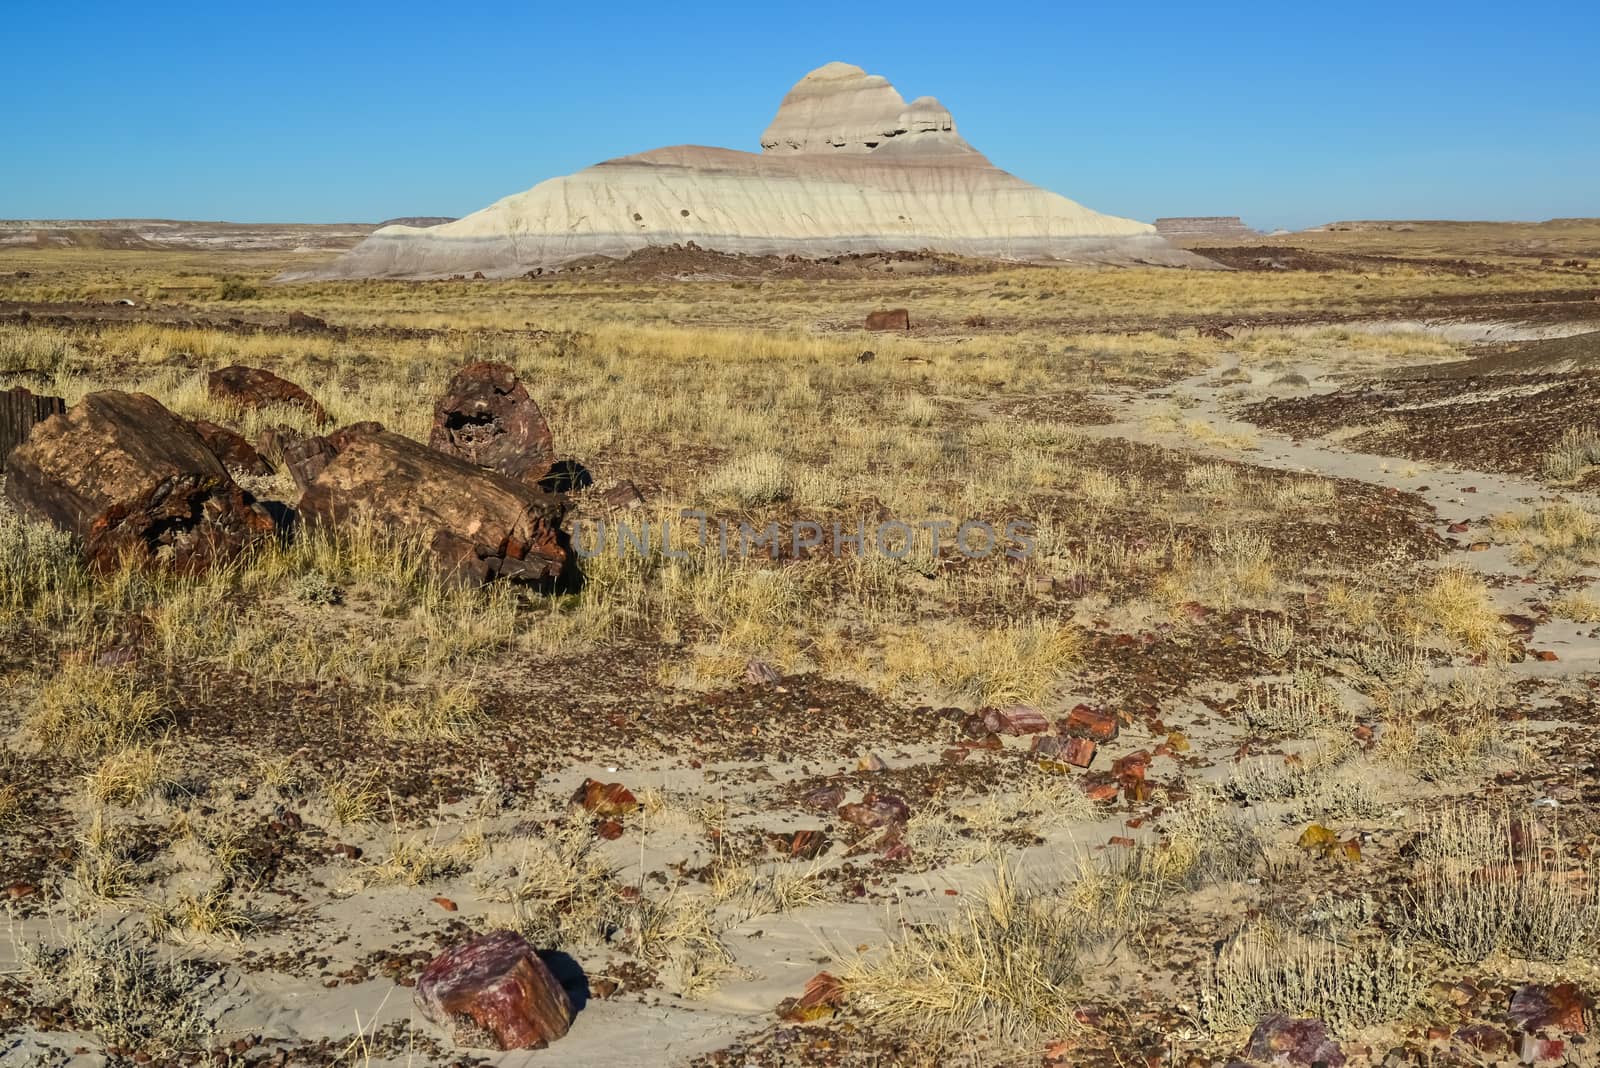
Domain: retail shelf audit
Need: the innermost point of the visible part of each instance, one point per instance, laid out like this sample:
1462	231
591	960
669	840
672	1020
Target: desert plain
1277	745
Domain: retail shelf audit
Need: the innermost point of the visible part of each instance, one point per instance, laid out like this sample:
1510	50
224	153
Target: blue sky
1288	114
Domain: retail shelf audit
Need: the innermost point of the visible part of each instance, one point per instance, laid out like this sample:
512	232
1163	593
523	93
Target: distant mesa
419	221
846	166
1186	226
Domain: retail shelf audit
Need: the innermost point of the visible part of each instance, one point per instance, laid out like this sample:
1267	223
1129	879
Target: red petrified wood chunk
1558	1008
822	995
876	810
1280	1039
494	993
236	454
487	418
1079	752
605	798
1091	723
254	387
892	319
1017	719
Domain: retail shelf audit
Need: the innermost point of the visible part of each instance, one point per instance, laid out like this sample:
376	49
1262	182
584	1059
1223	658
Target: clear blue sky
1287	113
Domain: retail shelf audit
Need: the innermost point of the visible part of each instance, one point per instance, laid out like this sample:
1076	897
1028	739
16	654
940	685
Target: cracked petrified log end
255	387
493	992
487	418
132	480
476	524
20	411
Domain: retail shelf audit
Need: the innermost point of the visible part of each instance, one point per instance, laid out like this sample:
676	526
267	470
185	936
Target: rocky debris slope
847	166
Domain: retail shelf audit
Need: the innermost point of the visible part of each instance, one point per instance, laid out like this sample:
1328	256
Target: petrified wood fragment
20	409
133	480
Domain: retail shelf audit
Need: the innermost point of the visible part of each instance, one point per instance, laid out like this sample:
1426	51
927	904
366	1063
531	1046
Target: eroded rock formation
847	166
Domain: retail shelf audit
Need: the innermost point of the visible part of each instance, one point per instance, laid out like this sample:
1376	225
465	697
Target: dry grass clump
352	797
412	860
752	480
1015	662
560	885
10	804
1269	636
1576	452
105	869
445	713
208	913
86	710
1457	606
128	776
1580	607
1487	882
1458	745
40	572
1006	968
1262	970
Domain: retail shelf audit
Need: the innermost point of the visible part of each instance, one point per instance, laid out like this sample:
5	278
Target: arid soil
1276	747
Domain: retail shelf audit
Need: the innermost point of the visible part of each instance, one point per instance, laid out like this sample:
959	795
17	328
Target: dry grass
87	710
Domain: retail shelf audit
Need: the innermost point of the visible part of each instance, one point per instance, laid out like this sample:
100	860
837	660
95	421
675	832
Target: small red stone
445	903
605	798
1079	752
1091	723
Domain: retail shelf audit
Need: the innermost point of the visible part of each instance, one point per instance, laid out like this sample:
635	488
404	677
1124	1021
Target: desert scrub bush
1484	882
86	710
10	804
412	860
124	991
751	480
1008	966
1304	704
1262	970
1212	480
1207	840
1269	636
237	289
1576	452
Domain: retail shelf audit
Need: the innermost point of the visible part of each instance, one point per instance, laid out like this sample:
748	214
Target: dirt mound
690	262
1556	355
1286	258
1489	422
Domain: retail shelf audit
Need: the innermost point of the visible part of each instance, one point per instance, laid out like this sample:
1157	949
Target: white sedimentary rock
846	166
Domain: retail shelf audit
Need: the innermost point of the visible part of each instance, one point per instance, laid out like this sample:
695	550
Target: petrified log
255	387
494	992
477	524
894	319
487	418
236	454
305	457
20	409
133	481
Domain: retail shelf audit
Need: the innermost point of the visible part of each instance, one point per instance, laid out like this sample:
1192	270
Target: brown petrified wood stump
20	409
477	524
494	992
305	457
253	387
133	480
487	418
